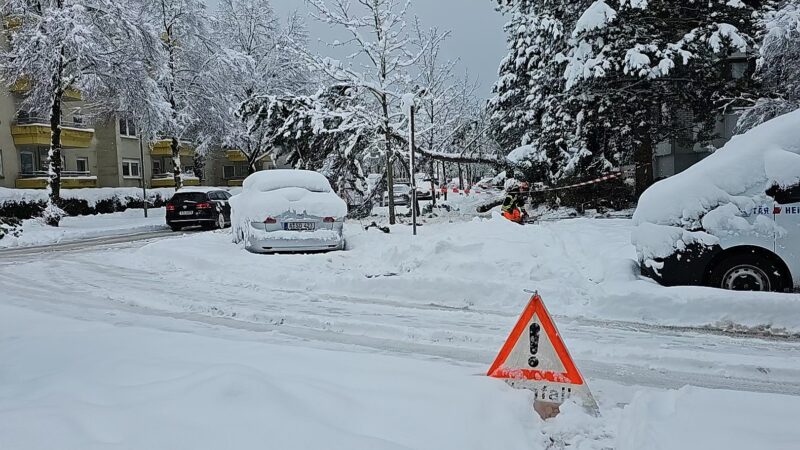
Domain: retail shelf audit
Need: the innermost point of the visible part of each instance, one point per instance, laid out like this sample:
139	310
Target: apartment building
229	167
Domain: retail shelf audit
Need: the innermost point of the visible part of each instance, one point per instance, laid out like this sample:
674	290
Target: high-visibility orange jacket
514	215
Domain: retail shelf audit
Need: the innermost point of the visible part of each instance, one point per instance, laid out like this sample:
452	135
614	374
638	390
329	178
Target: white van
731	221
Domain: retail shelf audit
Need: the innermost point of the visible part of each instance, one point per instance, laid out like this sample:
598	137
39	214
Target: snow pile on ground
717	192
72	384
583	268
93	196
36	232
693	418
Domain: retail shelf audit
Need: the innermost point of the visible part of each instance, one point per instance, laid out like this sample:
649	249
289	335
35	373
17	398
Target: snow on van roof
271	180
715	193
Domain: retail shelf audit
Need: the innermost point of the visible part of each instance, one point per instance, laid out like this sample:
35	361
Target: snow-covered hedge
29	203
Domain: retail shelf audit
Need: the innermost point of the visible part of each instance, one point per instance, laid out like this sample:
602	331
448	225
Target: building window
241	172
127	127
77	120
130	168
82	165
26	163
188	169
157	167
228	172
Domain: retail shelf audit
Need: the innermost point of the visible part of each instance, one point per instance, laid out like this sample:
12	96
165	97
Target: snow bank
583	268
714	193
695	418
35	232
75	384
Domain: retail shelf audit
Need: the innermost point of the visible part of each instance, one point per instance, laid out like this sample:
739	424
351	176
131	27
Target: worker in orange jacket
514	203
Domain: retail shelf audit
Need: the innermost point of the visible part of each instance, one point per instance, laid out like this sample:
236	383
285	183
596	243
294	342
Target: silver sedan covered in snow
288	211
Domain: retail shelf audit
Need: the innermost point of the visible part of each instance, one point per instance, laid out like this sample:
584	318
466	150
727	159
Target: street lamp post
141	174
411	132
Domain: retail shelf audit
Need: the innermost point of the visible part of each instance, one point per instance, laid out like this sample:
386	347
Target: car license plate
186	213
300	226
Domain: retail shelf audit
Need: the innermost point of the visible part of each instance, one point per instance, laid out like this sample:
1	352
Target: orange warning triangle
527	355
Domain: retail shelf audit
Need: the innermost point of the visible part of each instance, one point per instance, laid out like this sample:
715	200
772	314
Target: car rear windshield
190	197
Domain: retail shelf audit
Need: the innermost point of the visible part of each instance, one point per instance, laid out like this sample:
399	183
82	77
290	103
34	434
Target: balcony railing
64	174
33	120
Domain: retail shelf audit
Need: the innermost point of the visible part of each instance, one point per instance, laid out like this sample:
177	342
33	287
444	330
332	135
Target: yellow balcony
235	155
12	22
235	182
39	134
24	85
164	148
166	182
40	182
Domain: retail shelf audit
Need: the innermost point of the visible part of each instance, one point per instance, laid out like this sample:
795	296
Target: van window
785	195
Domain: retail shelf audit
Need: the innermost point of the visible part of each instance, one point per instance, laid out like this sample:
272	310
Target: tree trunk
432	174
389	159
175	145
54	155
445	183
643	157
460	178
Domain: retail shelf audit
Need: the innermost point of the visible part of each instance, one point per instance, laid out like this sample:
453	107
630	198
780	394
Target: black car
207	208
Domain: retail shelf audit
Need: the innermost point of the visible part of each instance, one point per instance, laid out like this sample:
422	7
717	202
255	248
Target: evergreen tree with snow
594	85
778	67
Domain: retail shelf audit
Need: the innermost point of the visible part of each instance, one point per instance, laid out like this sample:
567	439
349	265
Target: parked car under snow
731	221
288	211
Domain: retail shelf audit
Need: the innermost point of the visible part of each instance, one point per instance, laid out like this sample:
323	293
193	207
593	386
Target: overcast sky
477	37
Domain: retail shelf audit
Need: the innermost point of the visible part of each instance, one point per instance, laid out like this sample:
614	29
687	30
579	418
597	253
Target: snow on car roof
198	190
271	180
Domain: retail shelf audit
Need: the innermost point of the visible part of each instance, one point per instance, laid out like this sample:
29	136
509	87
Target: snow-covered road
385	295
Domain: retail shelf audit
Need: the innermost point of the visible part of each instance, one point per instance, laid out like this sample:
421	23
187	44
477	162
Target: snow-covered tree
102	49
379	66
268	68
778	67
198	75
593	85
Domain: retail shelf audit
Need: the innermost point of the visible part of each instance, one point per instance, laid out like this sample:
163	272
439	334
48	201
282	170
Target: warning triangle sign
534	357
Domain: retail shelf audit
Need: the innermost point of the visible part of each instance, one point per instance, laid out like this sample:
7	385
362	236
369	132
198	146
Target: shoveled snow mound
35	232
273	193
582	268
715	193
695	418
73	384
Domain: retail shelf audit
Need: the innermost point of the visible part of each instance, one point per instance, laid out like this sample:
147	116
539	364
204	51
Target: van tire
747	272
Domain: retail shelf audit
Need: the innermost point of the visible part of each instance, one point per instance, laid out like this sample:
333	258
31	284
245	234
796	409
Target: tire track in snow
379	324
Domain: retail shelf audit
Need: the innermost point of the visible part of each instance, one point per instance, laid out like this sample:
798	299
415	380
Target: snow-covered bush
714	195
29	203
